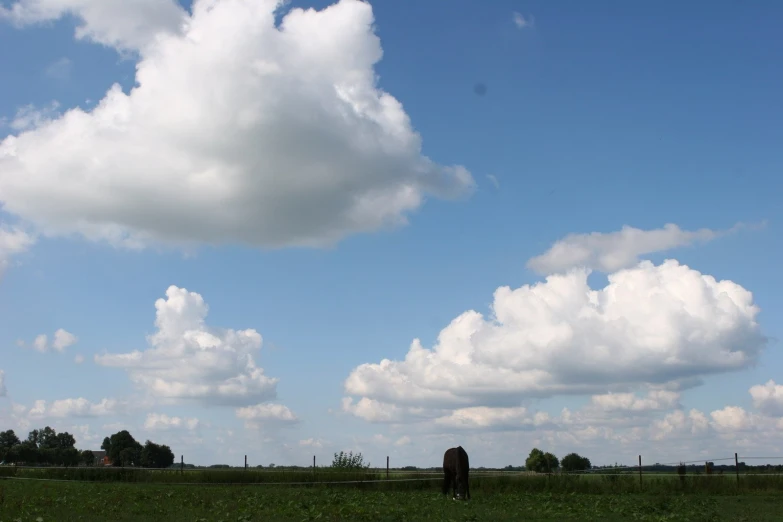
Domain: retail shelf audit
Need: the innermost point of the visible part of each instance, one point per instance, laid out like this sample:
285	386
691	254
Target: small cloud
29	117
41	343
403	441
493	180
311	442
522	22
13	241
63	339
78	359
59	70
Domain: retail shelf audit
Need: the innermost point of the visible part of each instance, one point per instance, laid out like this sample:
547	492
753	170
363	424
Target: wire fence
326	475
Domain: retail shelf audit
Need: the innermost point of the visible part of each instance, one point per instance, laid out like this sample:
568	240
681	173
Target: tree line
49	448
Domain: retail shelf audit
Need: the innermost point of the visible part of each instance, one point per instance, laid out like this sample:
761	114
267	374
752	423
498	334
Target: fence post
387	467
736	467
181	464
245	462
313	463
640	471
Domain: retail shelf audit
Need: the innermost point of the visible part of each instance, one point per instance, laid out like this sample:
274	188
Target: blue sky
266	174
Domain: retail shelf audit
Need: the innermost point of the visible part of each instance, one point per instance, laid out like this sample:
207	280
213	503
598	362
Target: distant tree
130	456
156	456
87	458
541	462
575	462
119	442
349	461
8	440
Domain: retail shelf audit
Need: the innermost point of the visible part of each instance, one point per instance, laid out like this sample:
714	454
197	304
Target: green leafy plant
349	461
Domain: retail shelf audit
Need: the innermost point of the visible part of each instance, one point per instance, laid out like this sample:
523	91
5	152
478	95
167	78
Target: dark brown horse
455	470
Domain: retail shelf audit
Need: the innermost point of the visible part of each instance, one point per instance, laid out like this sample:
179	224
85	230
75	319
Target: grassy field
64	501
488	482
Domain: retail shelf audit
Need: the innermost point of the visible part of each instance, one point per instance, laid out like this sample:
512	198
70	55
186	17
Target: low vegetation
131	502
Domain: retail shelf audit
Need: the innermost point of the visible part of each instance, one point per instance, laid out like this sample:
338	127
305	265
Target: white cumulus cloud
609	252
237	131
261	415
768	398
651	325
189	360
161	421
122	24
63	339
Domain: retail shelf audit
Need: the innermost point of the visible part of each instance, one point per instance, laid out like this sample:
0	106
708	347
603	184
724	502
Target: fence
650	476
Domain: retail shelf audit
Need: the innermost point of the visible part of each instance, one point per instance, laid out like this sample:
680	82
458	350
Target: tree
349	461
130	456
541	462
575	462
156	455
119	442
8	440
88	458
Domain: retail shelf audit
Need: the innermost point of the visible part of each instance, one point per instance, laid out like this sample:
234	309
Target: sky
239	227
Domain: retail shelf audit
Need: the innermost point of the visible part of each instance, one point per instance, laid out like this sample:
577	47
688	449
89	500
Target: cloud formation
263	415
188	360
62	340
237	131
610	252
80	407
520	21
124	25
768	398
649	325
3	390
13	241
161	421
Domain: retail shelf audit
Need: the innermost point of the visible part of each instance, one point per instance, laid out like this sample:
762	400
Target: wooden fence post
736	467
181	464
245	462
640	471
387	467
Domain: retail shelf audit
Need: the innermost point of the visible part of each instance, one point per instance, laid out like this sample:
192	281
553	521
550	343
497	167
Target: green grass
63	501
486	482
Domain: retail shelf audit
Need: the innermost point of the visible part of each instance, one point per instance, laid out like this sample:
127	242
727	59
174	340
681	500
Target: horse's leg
445	482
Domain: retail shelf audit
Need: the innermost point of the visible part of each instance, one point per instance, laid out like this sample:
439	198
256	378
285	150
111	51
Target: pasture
218	495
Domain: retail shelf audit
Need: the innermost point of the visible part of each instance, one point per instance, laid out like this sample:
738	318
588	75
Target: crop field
207	495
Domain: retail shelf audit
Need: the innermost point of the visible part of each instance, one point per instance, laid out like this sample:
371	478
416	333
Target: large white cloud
237	131
650	325
189	360
609	252
123	24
